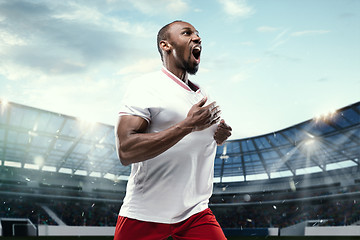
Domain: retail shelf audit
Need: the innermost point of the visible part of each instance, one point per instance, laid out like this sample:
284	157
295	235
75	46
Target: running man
168	131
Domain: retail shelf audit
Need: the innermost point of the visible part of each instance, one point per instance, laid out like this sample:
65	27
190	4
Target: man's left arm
222	133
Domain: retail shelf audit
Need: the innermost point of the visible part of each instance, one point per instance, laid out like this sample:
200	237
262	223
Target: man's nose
197	39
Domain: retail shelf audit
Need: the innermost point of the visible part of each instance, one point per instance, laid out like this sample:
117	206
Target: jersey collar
179	82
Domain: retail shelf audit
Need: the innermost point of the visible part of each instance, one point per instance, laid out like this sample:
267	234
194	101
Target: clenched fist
222	133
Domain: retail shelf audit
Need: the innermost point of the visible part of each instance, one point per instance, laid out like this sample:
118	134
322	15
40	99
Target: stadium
60	176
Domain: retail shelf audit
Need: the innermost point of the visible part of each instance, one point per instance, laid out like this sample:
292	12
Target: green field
229	238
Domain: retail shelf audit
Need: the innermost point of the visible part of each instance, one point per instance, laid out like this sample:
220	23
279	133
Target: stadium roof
321	144
38	139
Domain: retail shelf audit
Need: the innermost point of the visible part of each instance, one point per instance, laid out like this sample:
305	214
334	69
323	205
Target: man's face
186	46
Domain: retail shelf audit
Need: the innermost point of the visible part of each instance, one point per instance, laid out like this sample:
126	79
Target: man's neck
180	73
189	84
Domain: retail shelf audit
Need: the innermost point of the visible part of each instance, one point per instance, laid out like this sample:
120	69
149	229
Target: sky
268	64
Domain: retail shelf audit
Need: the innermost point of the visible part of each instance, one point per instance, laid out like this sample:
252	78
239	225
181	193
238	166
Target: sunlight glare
3	104
326	115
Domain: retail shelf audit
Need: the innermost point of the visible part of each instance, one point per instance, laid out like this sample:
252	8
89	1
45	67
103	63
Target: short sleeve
137	101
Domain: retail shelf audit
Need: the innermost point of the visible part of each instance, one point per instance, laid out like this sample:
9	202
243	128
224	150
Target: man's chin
193	70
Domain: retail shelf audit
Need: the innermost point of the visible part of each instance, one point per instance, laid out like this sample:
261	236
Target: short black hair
163	35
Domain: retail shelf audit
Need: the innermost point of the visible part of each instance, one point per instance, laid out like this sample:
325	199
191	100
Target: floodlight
110	176
12	164
331	112
39	160
310	135
224	149
100	146
49	168
85	124
31	166
4	102
95	174
35	127
223	155
32	133
325	115
80	172
309	141
123	177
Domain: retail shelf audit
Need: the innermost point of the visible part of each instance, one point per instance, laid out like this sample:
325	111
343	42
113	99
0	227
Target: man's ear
165	45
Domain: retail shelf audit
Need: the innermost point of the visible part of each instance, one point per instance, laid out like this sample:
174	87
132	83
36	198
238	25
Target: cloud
237	8
323	79
286	58
157	7
284	36
63	55
248	43
280	39
239	77
346	15
10	39
70	100
266	29
309	32
177	6
253	61
48	62
13	72
65	37
79	13
141	66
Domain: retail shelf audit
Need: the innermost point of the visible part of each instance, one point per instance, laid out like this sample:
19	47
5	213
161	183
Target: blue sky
269	64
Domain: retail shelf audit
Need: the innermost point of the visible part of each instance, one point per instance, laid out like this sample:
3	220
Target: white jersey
178	183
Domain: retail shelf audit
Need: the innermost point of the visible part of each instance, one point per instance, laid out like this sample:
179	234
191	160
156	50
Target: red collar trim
178	81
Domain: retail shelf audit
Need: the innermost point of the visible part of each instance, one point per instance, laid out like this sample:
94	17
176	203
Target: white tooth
198	48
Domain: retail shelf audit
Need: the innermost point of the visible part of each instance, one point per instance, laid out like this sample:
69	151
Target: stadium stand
59	171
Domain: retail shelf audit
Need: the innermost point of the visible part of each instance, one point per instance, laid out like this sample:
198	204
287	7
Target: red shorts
201	226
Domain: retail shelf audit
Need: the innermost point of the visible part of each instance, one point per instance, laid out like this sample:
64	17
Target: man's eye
186	32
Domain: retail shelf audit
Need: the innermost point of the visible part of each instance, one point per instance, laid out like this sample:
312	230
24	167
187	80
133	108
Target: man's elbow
123	153
124	159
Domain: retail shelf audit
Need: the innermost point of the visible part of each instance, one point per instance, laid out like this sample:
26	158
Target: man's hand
222	132
201	117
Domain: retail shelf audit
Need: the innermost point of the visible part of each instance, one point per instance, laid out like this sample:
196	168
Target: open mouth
196	53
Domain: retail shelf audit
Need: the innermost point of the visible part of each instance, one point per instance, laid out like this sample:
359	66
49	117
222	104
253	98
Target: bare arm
134	145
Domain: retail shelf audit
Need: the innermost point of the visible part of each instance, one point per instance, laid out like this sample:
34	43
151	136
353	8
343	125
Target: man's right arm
135	145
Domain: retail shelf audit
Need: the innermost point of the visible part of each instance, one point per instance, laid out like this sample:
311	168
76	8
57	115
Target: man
168	131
